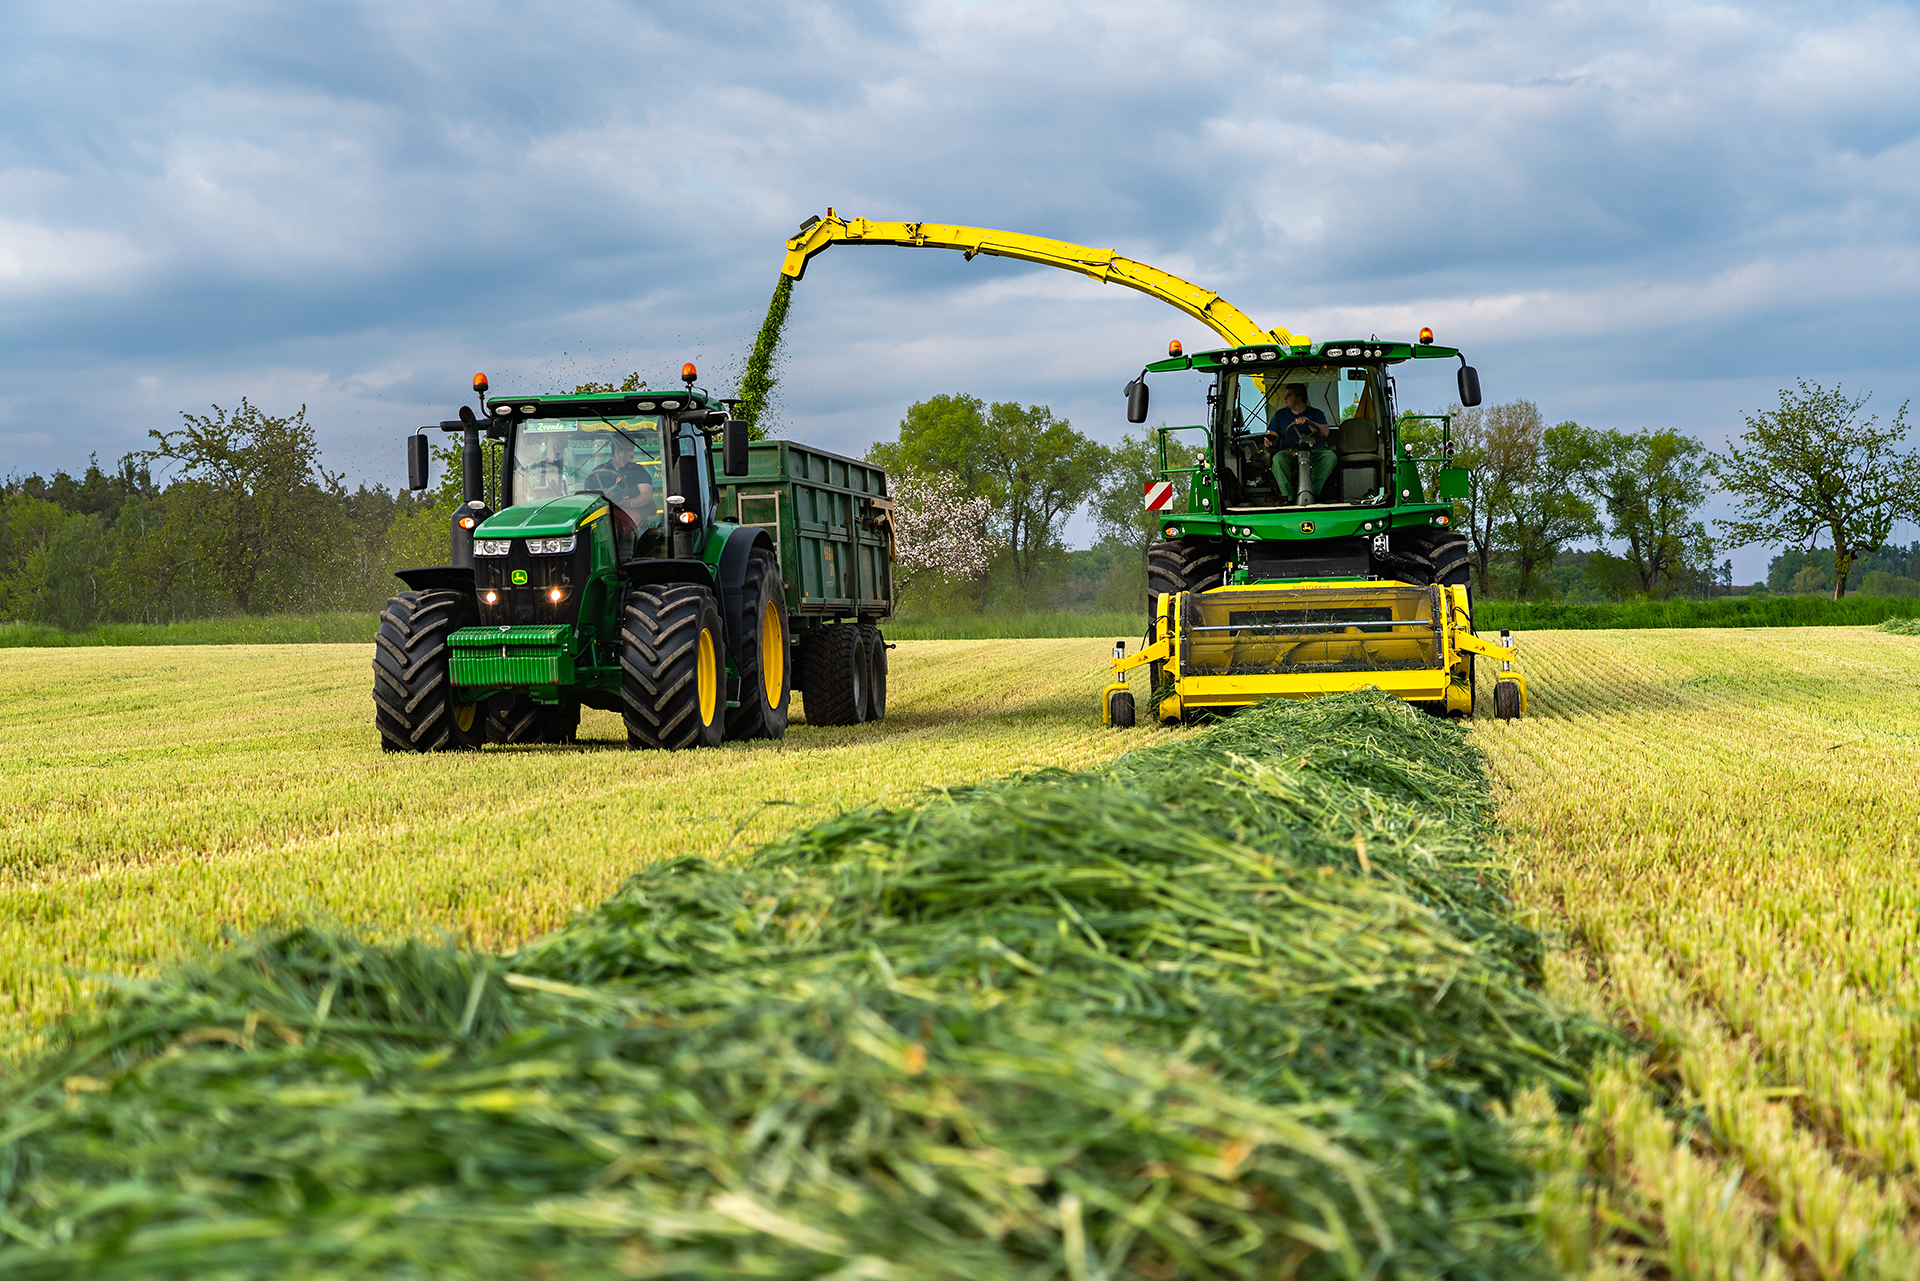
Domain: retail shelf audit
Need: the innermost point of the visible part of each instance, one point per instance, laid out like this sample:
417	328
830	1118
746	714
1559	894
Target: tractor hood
556	517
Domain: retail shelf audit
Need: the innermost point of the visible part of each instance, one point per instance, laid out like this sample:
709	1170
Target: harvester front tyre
835	687
876	647
1187	565
1506	700
673	662
414	700
766	674
1120	709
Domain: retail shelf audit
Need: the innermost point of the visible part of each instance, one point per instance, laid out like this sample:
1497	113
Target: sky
1634	215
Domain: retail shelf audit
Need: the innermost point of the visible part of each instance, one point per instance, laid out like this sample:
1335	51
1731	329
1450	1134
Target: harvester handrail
1104	265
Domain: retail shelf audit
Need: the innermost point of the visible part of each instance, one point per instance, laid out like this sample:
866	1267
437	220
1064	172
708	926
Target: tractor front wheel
766	677
673	664
415	705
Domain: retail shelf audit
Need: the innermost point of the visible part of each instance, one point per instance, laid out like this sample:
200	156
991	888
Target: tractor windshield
616	457
1317	429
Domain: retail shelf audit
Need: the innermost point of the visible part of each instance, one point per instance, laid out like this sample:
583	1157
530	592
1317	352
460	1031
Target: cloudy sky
1635	215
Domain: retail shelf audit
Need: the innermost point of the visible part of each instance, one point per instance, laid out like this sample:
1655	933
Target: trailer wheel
526	721
876	647
414	704
1506	700
836	676
766	675
673	664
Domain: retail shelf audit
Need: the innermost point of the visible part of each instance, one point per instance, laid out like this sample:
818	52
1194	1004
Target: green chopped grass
1902	626
1242	1005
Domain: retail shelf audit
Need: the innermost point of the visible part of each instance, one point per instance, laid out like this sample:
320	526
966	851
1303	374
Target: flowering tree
938	531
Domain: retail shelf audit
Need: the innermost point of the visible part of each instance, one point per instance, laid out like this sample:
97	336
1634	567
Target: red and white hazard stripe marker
1159	495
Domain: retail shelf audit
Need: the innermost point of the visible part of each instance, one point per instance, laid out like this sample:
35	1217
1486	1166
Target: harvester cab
1316	551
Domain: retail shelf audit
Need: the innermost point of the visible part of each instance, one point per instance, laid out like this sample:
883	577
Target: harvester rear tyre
1187	565
414	706
1424	556
525	721
876	646
836	676
766	669
1506	700
673	661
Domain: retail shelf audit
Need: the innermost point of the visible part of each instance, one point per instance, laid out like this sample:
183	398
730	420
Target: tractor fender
675	570
428	578
732	573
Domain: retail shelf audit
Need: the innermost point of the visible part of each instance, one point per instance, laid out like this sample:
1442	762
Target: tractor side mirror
1137	401
416	461
733	447
1469	386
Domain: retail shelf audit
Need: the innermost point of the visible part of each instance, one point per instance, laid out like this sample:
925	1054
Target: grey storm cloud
1634	214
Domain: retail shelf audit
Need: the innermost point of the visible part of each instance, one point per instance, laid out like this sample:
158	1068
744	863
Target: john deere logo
1306	527
519	578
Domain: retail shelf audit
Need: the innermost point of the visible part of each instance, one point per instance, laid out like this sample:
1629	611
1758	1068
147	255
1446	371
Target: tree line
250	520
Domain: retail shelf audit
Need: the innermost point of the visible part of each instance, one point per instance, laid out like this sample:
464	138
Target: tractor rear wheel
766	676
834	675
526	721
876	646
414	701
1187	565
673	660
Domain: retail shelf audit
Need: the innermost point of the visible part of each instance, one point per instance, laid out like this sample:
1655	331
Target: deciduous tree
1814	466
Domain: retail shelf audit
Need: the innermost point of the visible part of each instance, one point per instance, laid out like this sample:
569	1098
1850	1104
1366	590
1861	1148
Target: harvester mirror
1469	386
1137	401
733	447
416	461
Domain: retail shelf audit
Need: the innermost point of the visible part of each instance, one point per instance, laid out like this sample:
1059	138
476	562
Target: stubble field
152	798
1718	828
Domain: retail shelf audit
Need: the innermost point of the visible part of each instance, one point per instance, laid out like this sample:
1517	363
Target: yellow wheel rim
708	677
773	655
463	715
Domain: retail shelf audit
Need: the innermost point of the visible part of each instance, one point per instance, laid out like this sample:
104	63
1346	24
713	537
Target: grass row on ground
1244	1005
152	796
1726	825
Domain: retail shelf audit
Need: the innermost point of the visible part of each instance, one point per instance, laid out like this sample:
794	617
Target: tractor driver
1300	426
625	482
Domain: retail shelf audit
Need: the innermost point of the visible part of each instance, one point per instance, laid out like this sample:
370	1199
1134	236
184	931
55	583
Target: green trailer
636	553
830	521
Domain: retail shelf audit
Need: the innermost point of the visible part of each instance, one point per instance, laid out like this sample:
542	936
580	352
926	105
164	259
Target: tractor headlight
491	546
551	546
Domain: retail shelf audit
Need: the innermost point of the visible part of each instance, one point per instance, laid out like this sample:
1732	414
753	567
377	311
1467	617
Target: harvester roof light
502	411
1426	334
1174	348
480	384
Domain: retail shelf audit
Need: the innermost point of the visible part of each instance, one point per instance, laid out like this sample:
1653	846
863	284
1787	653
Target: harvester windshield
1273	433
617	457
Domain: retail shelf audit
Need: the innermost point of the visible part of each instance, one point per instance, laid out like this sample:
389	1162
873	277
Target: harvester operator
1300	426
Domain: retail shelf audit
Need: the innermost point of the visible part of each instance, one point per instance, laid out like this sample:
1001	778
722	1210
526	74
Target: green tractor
618	573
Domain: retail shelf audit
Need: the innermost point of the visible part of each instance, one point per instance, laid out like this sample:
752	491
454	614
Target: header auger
1310	557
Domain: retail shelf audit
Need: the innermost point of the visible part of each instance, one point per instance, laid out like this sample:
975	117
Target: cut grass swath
1241	1005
